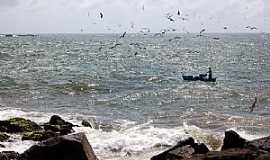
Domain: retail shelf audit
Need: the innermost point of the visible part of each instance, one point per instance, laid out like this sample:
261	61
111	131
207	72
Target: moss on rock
16	125
39	135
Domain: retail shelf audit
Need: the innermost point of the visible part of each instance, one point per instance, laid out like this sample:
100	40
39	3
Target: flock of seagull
171	18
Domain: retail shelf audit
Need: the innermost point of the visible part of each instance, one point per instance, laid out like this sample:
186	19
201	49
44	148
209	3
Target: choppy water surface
135	85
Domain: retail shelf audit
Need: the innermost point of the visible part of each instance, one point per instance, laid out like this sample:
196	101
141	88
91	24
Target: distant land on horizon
150	33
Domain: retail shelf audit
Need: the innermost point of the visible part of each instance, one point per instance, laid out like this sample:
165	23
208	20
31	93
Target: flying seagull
101	15
203	30
170	18
123	35
115	45
253	105
251	28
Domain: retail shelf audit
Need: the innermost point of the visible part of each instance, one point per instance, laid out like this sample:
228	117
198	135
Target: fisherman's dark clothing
210	74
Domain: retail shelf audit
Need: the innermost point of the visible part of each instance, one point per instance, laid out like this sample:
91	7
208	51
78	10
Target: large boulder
69	147
16	125
9	155
39	135
233	140
183	150
3	137
260	144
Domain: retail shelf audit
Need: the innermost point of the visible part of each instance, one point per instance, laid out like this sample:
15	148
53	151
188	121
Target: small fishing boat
201	77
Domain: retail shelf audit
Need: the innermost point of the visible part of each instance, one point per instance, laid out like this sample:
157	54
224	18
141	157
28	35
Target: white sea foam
6	113
38	117
135	139
15	144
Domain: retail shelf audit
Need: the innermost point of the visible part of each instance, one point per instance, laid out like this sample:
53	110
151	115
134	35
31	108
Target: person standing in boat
209	73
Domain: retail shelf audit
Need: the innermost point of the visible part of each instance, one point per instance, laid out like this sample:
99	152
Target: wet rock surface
69	147
183	150
234	148
232	140
85	123
39	135
9	155
57	124
260	144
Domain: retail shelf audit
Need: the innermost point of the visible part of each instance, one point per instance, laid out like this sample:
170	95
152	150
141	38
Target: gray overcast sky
70	16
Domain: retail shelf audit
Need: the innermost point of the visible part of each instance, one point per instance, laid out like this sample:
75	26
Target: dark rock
128	154
2	146
70	147
9	155
232	140
54	128
3	157
57	124
260	144
189	141
230	154
4	126
263	157
200	148
183	150
57	120
39	135
64	130
86	123
16	125
3	137
234	148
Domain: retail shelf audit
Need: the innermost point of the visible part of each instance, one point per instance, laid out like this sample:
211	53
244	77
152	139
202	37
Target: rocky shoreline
57	141
234	148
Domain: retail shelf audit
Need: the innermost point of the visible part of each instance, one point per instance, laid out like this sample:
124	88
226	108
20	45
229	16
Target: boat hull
195	78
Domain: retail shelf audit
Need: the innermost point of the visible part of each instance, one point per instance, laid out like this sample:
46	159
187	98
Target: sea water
131	89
